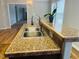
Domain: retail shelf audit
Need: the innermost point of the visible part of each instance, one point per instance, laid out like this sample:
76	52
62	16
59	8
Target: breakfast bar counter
69	33
31	46
52	42
63	38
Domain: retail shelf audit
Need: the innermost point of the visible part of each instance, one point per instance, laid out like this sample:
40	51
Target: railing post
66	50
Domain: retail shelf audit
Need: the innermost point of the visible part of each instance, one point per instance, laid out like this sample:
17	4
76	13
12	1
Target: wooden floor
6	37
75	54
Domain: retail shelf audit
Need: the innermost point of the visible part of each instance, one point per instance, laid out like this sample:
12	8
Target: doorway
17	13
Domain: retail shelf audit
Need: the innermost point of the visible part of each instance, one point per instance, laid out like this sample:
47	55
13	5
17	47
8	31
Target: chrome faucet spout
32	21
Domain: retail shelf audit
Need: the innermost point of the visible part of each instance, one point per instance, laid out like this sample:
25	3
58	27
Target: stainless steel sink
35	29
32	32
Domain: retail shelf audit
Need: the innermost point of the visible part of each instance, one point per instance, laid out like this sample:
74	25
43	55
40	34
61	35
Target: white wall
4	19
4	23
16	1
1	16
71	16
71	13
38	8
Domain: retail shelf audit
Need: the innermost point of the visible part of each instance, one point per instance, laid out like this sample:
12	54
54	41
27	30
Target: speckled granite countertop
31	45
69	33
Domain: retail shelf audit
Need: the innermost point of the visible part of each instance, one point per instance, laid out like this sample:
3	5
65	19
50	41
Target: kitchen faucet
32	21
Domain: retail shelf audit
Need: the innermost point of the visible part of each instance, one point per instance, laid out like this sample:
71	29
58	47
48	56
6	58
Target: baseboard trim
5	28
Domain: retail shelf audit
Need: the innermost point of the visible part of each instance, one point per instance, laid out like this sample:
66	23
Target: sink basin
32	32
26	29
32	29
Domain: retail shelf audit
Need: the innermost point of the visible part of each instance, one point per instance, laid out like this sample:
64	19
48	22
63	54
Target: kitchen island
31	46
52	42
